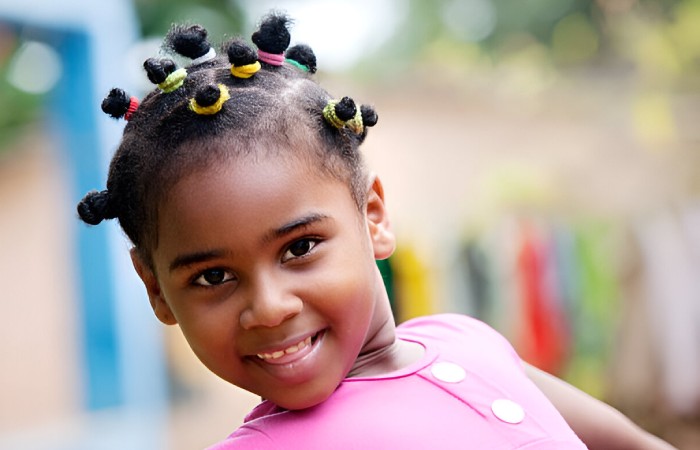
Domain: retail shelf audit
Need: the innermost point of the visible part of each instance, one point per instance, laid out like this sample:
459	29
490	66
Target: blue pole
73	115
122	355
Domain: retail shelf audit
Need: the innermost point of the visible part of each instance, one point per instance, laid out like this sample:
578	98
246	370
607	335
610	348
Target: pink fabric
412	409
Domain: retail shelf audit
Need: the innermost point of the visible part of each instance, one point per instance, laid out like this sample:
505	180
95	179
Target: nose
268	305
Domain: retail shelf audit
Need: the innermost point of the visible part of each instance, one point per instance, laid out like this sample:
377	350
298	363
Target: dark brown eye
299	248
213	277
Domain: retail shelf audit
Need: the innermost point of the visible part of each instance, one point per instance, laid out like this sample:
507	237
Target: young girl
255	228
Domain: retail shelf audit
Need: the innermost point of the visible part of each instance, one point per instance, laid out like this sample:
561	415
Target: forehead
242	194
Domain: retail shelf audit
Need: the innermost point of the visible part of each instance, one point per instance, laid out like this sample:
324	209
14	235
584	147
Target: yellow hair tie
330	115
246	71
173	81
211	109
355	124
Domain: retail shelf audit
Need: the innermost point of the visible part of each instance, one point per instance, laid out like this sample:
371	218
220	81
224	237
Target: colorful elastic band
173	81
246	71
355	124
211	109
208	56
271	58
133	105
297	64
330	115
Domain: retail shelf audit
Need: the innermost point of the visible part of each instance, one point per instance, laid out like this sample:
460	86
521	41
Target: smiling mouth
292	349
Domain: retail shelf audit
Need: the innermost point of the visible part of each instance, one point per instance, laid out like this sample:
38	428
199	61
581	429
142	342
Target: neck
393	354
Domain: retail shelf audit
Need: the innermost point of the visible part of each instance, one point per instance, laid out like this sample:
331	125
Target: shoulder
245	438
252	433
448	325
458	331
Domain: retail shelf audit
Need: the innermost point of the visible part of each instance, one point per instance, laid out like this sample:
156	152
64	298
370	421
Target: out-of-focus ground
443	153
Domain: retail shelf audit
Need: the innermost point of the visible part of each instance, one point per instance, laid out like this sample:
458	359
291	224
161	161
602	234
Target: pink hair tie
133	104
271	58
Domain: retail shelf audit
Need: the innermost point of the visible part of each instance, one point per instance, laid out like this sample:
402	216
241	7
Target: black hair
218	107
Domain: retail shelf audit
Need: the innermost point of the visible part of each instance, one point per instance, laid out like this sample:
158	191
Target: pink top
468	391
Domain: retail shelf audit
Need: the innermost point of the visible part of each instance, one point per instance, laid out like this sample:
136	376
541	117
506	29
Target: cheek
346	296
208	327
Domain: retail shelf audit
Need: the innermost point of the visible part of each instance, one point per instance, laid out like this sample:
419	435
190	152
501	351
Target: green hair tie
297	64
173	81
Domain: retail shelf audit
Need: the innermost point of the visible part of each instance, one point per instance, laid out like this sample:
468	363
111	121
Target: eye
213	277
299	248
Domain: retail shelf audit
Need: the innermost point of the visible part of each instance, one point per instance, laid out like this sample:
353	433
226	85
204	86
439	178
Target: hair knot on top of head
119	104
302	57
244	61
344	113
190	42
272	39
165	74
210	99
95	207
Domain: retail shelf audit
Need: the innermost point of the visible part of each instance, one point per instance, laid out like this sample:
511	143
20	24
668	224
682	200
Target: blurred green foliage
222	18
17	108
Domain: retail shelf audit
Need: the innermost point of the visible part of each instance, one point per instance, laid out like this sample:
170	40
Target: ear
383	240
155	295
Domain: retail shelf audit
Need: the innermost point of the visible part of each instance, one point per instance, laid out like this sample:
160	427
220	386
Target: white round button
448	372
508	411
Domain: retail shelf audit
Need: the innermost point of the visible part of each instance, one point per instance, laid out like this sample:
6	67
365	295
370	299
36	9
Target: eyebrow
294	225
193	258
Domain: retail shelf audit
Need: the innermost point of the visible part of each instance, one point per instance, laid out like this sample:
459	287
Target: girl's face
269	269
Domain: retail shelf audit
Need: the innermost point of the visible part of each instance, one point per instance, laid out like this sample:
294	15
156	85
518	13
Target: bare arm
597	424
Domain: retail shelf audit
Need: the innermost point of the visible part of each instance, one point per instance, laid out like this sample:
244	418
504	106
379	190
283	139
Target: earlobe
155	295
383	240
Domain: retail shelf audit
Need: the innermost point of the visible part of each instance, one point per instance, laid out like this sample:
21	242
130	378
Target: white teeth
292	349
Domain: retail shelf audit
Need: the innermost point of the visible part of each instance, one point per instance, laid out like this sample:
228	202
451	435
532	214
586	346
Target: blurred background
541	163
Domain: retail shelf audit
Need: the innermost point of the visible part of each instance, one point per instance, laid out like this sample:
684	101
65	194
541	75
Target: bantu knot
159	69
116	104
345	109
240	53
302	54
208	95
95	207
189	41
209	99
343	113
273	34
369	116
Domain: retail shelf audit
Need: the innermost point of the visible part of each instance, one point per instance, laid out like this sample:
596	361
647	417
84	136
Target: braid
218	108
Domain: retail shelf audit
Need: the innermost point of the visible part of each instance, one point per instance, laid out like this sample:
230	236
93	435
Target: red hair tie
133	104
